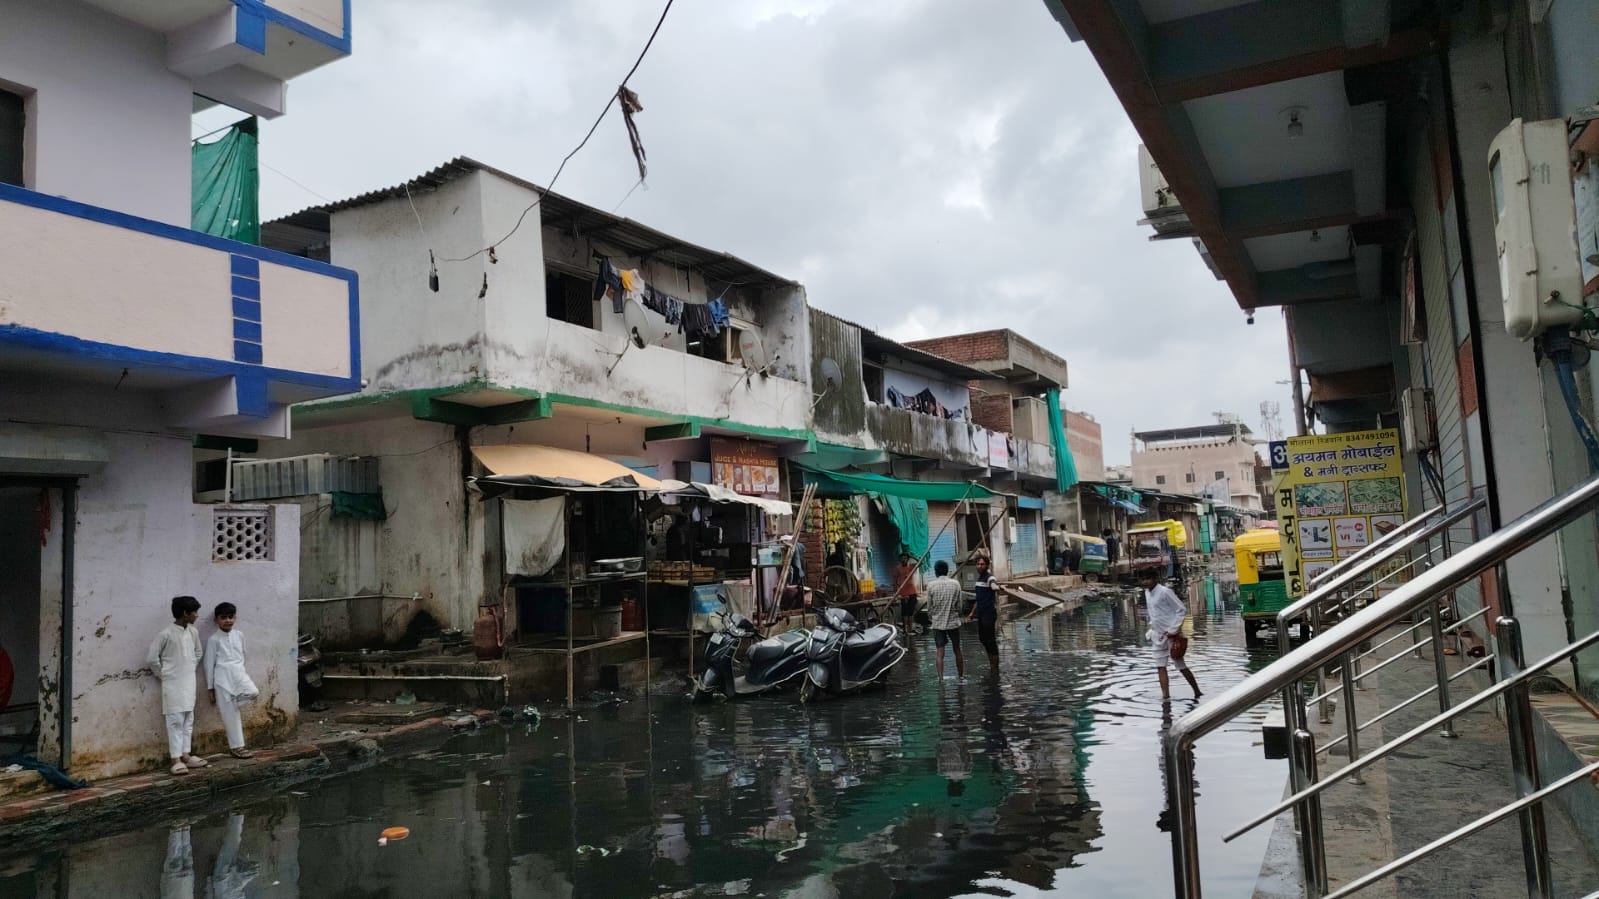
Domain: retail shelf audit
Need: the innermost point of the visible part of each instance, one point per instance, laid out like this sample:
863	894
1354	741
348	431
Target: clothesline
696	320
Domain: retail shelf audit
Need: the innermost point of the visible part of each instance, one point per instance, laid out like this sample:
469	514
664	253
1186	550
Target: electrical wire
545	191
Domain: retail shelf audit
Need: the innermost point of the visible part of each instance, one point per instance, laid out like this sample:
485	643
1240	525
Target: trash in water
601	850
405	699
393	833
531	713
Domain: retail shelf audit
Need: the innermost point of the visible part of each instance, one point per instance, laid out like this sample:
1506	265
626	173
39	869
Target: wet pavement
1044	781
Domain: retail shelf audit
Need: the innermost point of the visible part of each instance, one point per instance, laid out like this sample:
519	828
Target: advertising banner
1335	494
744	467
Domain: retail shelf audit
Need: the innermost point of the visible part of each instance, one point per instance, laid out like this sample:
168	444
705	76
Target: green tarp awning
909	517
838	483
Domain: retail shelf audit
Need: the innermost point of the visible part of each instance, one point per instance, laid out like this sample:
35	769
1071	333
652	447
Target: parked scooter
767	665
844	656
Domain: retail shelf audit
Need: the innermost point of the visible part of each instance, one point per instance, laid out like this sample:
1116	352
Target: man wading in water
1166	616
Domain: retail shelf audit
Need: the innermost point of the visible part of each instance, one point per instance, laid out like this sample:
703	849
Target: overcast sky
924	167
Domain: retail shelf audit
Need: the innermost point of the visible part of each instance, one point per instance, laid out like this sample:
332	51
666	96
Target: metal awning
531	465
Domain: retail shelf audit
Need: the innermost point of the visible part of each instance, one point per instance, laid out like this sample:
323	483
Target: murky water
1044	781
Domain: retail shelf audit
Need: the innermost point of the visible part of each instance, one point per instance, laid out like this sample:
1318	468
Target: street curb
31	823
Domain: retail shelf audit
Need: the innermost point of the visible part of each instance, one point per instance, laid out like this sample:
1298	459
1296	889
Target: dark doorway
35	578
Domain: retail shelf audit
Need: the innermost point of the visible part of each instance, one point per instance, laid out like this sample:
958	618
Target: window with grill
1189	477
1160	479
1220	475
242	535
569	298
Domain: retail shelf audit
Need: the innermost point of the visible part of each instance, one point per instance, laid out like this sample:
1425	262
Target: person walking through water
986	611
1166	616
944	599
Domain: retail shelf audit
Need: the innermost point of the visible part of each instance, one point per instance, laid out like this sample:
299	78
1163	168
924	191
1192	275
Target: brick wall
992	411
981	346
1084	437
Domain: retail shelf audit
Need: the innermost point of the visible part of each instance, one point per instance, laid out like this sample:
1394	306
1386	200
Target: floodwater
1044	781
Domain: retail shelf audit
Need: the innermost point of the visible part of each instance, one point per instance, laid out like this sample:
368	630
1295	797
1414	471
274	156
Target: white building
125	337
515	349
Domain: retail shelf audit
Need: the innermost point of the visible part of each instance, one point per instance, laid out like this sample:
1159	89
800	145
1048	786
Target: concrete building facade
125	338
1188	460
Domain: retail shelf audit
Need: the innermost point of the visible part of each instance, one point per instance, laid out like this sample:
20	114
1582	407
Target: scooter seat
773	648
869	640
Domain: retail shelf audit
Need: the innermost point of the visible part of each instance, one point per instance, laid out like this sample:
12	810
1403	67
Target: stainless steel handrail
1330	586
1378	544
1427	691
1358	628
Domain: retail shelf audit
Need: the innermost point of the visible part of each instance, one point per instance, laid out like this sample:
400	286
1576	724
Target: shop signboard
1334	495
744	466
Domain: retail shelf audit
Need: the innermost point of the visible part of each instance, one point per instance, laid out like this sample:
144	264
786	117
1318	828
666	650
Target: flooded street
1043	782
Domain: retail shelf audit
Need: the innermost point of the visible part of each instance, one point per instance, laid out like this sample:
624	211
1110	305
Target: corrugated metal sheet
1442	277
304	476
555	211
1027	553
840	408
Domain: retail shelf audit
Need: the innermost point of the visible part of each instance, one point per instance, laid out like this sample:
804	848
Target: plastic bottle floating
393	833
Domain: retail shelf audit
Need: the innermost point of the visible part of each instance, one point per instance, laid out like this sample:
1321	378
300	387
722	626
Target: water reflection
1045	780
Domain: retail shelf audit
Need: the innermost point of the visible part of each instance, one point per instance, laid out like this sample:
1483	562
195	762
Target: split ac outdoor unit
1416	424
1161	209
1010	529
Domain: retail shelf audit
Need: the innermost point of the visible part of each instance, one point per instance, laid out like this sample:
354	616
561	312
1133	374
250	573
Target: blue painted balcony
230	333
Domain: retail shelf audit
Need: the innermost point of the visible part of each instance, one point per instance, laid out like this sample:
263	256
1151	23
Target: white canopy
723	495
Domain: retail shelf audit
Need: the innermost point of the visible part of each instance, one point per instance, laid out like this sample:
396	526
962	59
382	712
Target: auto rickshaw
1149	547
1262	591
1090	555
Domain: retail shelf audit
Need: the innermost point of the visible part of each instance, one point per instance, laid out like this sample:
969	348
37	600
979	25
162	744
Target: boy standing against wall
174	659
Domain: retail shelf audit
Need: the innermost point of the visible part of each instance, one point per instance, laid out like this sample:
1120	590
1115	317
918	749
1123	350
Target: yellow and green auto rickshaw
1262	592
1089	555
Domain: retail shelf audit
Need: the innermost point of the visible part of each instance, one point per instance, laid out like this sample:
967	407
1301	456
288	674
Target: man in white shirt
944	601
1166	616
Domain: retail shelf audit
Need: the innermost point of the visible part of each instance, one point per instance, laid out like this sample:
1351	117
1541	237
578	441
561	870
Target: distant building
1185	460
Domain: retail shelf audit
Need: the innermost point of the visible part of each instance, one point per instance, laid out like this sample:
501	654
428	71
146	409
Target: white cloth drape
535	535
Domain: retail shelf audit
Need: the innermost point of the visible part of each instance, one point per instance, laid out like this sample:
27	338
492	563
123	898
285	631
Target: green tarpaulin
225	195
838	483
1065	465
909	517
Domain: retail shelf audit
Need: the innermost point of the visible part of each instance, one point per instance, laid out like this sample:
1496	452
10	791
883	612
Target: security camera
1249	317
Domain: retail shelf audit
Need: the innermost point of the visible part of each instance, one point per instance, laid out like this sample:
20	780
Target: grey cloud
823	141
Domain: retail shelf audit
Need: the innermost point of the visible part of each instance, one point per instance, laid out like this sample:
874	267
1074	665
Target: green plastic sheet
226	186
838	483
1065	465
909	517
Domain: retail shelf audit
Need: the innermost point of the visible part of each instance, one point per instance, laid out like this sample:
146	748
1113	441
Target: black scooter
844	656
767	666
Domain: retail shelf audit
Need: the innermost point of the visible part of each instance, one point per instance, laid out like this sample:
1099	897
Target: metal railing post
1440	668
1185	819
1312	842
1346	671
1323	712
1524	760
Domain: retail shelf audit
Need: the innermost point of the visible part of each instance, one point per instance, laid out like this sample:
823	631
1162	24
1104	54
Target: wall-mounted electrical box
1010	529
1535	226
1416	420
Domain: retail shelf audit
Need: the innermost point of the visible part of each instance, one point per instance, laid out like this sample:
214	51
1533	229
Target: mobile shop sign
744	467
1334	495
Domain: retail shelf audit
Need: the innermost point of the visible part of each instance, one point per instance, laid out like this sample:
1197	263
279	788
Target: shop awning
530	465
838	483
723	495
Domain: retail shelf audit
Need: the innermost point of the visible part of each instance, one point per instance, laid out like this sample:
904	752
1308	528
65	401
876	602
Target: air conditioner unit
1161	209
1535	225
1010	529
1416	420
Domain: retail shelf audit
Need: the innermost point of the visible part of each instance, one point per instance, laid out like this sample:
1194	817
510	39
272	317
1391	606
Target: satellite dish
752	351
644	327
832	375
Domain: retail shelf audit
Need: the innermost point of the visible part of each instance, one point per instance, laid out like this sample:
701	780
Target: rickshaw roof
1259	539
1086	538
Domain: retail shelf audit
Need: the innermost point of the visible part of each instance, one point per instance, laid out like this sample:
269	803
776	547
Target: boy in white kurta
226	678
173	658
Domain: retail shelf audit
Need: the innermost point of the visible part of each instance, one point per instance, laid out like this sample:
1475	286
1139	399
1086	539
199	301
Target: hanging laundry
667	305
719	315
609	284
633	285
698	322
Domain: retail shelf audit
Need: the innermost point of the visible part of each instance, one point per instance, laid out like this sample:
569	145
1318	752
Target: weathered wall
140	541
91	74
840	410
1236	461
